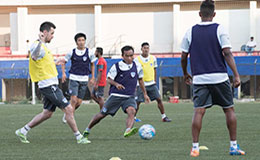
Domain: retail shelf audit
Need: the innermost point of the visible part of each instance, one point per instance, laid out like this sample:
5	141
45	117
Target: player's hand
147	99
60	61
119	86
92	81
64	77
236	81
96	87
188	79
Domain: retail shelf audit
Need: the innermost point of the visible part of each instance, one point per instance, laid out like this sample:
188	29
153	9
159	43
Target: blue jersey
80	65
127	78
205	51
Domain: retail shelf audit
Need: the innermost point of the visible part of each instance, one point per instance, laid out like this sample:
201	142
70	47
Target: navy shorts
113	103
207	95
152	92
77	88
53	97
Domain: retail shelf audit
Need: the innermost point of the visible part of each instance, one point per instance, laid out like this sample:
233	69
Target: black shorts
206	95
99	92
77	88
53	97
152	92
113	103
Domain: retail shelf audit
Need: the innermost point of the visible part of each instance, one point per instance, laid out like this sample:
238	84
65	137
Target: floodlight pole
255	80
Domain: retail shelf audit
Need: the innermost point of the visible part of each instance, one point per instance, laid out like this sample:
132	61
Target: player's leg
139	100
201	99
153	93
223	96
39	118
129	107
111	106
73	91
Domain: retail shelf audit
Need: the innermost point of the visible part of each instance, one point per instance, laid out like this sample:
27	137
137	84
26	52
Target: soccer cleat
21	136
64	119
131	132
138	120
85	134
166	119
194	153
236	151
83	141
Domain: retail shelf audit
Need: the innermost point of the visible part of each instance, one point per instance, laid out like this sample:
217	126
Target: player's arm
36	51
114	83
184	63
231	63
141	84
155	66
63	73
92	66
111	76
184	57
100	70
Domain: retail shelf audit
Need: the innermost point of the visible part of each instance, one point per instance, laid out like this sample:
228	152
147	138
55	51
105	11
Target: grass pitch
54	140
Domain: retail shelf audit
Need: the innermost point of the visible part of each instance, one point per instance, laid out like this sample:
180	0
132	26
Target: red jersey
102	66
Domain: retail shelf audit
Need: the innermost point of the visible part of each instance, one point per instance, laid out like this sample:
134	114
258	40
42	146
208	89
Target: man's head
99	52
252	38
128	54
80	39
207	9
47	31
145	47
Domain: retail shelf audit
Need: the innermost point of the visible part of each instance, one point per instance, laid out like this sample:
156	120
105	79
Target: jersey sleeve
112	72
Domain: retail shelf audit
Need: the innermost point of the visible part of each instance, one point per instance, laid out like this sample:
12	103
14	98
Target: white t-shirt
223	38
92	58
124	67
251	44
146	59
46	82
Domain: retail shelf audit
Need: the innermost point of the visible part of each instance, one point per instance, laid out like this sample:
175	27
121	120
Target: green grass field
54	140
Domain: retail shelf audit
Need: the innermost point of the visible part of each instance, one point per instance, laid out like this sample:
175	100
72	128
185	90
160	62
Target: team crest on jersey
84	58
151	64
132	74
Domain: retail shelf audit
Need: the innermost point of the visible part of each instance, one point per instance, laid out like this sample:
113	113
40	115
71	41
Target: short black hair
78	35
145	44
126	48
207	8
47	26
99	50
251	37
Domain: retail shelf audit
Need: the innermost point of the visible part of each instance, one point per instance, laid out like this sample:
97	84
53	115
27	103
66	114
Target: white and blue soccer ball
146	132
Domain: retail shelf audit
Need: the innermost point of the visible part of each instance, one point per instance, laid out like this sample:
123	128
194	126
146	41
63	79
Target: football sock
77	135
87	129
128	129
233	144
163	116
195	146
25	129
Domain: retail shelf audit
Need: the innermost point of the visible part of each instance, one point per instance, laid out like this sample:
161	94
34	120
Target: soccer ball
146	131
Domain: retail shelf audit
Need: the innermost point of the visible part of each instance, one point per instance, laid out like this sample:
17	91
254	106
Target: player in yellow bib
149	65
43	70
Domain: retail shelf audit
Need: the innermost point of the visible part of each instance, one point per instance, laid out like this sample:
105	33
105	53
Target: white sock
128	129
233	144
25	129
78	135
135	117
163	116
87	129
195	146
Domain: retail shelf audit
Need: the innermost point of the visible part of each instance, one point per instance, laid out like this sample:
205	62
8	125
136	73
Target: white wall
235	21
67	25
135	28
